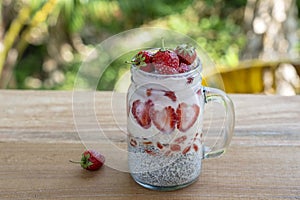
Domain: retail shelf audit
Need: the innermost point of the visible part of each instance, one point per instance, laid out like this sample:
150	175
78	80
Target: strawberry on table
186	116
187	54
91	160
140	111
165	119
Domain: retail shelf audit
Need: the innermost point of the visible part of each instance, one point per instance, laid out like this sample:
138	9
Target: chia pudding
164	171
165	109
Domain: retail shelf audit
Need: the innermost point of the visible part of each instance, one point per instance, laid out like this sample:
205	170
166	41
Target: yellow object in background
251	77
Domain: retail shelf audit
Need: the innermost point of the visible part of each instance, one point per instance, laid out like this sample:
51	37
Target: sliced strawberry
195	147
180	139
140	112
159	145
199	92
147	142
165	119
175	147
189	80
186	150
196	136
133	142
171	95
149	92
150	152
186	116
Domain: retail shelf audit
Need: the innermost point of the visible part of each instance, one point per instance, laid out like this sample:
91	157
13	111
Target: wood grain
38	136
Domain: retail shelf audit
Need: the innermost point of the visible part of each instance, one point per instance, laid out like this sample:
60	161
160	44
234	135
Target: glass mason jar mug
165	118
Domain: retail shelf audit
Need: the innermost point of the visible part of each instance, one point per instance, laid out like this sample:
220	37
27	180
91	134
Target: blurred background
254	43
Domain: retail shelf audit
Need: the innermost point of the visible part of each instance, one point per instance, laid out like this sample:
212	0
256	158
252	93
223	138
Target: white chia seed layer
164	171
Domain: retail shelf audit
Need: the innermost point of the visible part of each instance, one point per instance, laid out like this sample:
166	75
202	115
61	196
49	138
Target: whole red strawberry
144	61
186	53
165	62
91	160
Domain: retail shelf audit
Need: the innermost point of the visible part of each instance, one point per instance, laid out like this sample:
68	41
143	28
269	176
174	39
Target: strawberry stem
76	162
163	44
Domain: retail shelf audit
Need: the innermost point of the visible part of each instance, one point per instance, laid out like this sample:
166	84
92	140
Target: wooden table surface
38	137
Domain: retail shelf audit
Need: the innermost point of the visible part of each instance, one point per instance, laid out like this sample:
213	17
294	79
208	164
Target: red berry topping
184	68
165	62
186	116
187	54
140	112
148	68
144	60
165	119
162	69
91	160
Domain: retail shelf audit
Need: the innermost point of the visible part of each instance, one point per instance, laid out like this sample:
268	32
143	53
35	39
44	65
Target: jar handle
218	96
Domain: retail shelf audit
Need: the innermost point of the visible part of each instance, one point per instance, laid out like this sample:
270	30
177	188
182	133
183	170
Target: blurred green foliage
57	46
